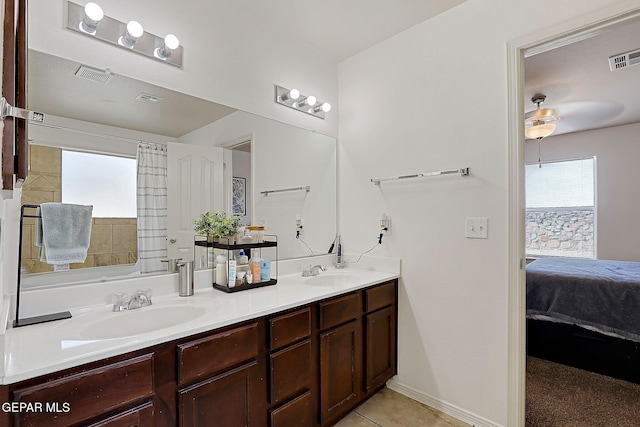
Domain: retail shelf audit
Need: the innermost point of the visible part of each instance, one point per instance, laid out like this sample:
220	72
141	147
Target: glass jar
257	233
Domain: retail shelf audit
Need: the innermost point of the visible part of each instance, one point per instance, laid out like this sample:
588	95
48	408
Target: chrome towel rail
267	192
462	172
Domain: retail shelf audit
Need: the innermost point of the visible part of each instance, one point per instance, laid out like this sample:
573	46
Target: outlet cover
476	228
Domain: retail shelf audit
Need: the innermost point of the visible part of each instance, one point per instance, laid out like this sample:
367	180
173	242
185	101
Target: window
560	199
106	182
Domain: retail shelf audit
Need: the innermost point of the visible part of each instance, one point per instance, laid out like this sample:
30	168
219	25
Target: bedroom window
560	215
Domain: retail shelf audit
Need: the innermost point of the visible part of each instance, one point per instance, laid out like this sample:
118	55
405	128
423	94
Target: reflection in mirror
85	116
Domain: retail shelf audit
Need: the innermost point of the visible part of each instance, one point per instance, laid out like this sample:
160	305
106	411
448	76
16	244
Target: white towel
63	233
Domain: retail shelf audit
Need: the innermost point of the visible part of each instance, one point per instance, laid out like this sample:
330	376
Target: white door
195	176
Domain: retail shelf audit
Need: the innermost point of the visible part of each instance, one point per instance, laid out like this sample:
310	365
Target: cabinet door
141	416
340	370
380	338
222	401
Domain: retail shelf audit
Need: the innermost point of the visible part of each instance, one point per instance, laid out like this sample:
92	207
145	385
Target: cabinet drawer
298	412
289	328
89	393
339	310
290	371
215	353
380	296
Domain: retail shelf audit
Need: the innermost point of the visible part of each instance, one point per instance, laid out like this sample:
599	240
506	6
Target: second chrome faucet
139	299
308	270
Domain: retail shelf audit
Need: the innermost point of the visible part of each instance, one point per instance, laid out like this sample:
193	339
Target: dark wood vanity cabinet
307	366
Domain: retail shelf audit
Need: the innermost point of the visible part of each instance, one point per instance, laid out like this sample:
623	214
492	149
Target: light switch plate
476	228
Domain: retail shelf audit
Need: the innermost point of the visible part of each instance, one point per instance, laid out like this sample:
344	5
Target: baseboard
447	408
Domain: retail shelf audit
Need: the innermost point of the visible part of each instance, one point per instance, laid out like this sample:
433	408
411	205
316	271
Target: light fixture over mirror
91	21
289	98
539	123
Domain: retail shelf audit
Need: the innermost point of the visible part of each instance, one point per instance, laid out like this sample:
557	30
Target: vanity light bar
309	104
130	36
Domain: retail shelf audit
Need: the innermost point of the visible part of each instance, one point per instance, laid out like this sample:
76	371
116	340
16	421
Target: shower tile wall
113	240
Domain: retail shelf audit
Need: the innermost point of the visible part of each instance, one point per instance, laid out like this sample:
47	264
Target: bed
585	313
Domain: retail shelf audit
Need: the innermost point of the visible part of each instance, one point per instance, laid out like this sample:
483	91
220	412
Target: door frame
549	38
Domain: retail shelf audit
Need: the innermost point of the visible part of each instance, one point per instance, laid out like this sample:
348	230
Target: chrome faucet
140	299
315	270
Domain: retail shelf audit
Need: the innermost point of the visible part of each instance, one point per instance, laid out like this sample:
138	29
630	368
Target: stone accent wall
114	241
560	233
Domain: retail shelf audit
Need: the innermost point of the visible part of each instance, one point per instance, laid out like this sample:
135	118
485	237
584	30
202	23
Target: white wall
227	59
435	97
617	151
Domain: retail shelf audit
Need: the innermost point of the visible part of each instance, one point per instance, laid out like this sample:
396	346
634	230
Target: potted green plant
216	224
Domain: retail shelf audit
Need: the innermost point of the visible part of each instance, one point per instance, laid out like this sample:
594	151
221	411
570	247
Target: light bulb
308	101
134	32
135	29
93	11
326	107
171	41
292	94
93	14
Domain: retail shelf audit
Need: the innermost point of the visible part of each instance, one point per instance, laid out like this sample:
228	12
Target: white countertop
49	347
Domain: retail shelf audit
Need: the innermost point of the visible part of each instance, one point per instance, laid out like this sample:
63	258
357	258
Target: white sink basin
331	279
135	322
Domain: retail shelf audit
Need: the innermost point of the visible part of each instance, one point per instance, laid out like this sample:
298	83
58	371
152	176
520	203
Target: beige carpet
561	396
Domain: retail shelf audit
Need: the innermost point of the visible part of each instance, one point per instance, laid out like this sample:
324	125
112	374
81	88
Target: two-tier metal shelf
224	245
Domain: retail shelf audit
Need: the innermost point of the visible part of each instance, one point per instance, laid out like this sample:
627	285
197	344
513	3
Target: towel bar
36	319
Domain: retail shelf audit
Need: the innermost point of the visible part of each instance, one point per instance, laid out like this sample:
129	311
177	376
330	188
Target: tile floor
391	409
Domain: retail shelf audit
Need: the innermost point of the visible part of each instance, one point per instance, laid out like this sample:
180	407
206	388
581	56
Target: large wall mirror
85	152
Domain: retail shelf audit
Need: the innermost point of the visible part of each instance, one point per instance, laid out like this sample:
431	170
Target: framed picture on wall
239	196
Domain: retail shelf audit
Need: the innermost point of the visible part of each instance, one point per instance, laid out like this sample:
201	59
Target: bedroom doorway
584	30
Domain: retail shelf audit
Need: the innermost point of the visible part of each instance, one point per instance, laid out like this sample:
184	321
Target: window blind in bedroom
560	202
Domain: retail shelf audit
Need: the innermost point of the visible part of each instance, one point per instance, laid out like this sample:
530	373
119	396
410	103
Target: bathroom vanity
302	353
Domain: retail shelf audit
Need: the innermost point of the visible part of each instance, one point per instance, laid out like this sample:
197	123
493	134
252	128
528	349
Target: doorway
539	43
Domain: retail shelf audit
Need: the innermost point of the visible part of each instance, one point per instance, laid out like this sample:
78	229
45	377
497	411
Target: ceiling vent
95	75
624	60
148	97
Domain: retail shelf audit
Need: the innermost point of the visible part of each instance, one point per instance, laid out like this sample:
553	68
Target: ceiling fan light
541	114
540	131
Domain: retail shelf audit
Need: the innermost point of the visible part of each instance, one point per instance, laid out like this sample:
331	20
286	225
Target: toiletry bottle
255	267
242	258
339	262
231	279
221	270
265	271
